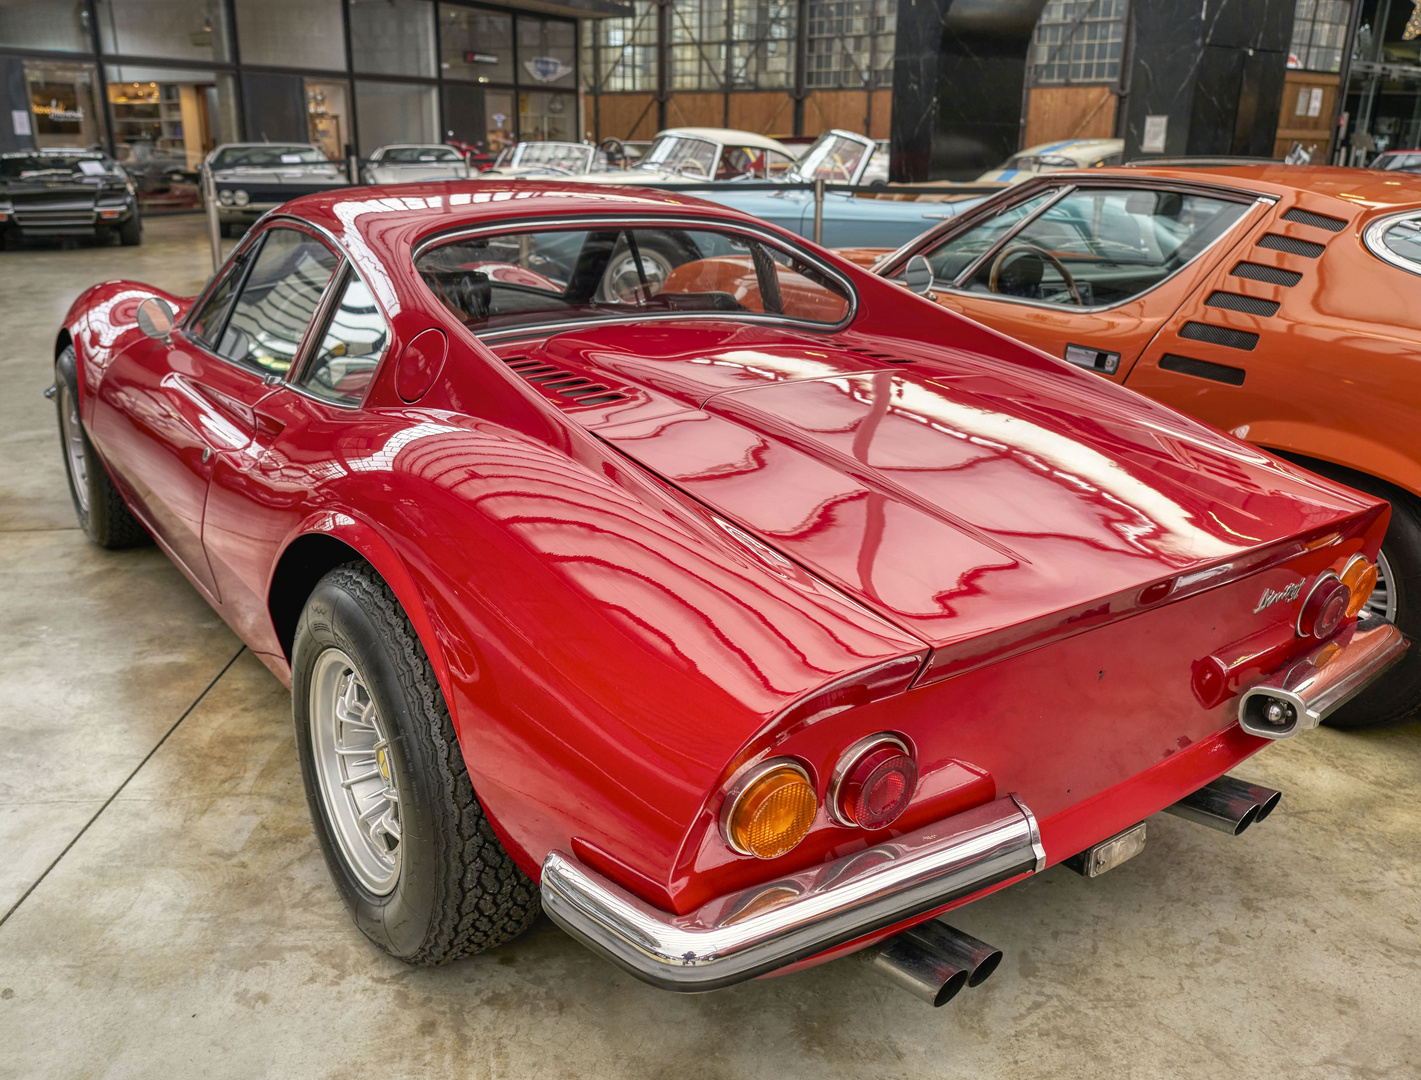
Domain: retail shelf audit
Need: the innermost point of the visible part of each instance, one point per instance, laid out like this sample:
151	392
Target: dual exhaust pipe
1227	804
933	961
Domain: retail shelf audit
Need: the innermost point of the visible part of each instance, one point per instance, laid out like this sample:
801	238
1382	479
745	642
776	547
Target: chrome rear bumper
1318	685
757	930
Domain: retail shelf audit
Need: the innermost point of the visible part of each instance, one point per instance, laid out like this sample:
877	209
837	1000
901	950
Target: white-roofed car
399	163
696	155
544	159
1055	156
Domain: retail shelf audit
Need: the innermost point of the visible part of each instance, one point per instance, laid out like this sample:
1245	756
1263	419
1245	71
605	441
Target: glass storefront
64	106
165	120
163	82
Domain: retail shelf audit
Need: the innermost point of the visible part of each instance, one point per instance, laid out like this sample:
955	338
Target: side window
351	347
208	322
1104	246
959	252
277	301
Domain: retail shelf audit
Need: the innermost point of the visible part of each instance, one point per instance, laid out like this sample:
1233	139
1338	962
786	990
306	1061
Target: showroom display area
184	914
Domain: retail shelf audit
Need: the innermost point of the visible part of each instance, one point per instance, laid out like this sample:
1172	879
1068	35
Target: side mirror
918	276
156	318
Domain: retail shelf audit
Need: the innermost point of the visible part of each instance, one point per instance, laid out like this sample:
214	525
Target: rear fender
1354	452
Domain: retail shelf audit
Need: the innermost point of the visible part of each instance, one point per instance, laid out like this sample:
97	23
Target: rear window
414	155
507	281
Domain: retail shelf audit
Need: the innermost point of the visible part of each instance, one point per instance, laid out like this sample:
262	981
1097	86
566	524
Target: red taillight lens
874	783
1325	607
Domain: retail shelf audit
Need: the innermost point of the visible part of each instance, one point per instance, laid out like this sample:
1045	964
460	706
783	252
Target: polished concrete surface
183	924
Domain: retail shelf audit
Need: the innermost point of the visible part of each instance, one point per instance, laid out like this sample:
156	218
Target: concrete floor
184	924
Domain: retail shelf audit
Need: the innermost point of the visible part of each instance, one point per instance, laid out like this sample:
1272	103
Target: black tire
102	513
457	891
1396	694
130	233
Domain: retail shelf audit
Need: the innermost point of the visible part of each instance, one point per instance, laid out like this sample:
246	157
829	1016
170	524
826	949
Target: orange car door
1094	275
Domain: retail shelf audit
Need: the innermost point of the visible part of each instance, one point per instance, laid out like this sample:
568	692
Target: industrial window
851	43
698	42
1079	41
627	50
762	49
1319	34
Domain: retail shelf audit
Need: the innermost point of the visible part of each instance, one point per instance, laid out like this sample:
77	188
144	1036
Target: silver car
252	178
401	163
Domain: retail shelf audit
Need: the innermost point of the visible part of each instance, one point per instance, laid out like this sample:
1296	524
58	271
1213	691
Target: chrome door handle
206	454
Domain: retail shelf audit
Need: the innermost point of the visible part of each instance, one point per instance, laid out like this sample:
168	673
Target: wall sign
1156	127
547	68
480	58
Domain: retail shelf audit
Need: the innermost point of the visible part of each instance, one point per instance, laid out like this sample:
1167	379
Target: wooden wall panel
763	112
1294	123
1057	113
624	116
695	110
824	109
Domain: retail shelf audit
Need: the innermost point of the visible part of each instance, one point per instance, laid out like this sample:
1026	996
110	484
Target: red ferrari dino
739	614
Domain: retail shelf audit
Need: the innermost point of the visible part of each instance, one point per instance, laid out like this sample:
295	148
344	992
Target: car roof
731	137
413	146
401	215
1366	189
1073	146
72	151
248	145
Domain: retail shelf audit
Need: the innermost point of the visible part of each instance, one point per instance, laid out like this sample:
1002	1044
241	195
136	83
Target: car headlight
225	198
240	197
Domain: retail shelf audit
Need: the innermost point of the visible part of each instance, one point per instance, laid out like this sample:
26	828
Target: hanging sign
480	58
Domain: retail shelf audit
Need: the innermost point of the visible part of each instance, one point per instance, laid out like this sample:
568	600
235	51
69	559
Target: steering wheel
612	145
691	167
1023	249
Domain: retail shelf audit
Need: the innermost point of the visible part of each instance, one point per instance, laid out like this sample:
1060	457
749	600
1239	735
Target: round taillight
1360	577
770	810
873	783
1325	607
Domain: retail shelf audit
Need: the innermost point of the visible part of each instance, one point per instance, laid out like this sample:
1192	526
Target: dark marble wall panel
1215	68
958	77
16	97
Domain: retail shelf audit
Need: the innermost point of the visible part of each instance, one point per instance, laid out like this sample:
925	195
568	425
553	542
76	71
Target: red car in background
741	618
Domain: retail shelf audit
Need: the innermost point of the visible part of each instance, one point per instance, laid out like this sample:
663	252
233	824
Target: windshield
60	166
267	155
680	153
1395	162
414	155
834	158
571	156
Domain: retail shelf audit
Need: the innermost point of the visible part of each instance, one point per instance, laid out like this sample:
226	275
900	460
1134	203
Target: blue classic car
840	157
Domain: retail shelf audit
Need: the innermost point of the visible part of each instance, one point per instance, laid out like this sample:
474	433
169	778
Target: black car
62	192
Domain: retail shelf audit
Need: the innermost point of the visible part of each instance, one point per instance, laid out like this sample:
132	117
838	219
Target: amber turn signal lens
1361	578
772	811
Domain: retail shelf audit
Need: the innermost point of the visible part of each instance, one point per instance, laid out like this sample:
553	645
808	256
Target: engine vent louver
1218	335
1317	221
1202	369
1274	275
568	384
887	358
1252	305
1292	245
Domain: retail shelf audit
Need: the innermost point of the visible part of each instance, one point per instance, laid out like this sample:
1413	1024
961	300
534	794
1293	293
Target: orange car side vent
1274	275
1292	245
1317	221
1202	369
1219	335
1252	305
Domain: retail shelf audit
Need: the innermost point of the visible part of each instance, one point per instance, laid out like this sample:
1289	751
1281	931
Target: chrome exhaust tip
1227	804
934	961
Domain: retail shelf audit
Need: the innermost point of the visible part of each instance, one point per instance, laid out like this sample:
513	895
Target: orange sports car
1281	303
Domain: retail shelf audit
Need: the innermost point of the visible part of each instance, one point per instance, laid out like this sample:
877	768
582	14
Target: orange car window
1104	246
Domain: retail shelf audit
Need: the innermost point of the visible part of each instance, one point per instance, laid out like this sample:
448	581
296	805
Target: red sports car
741	617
